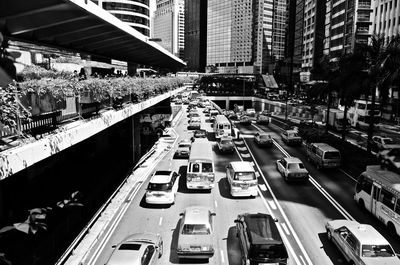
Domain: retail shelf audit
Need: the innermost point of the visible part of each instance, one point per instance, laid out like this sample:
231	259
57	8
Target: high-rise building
134	12
195	35
347	24
169	25
386	18
245	36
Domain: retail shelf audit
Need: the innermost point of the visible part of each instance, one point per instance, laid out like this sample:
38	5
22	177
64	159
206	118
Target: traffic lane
340	186
302	203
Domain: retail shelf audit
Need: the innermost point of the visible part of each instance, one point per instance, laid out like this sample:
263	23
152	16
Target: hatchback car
200	134
183	150
390	159
137	249
291	137
360	244
196	233
225	144
194	123
163	187
263	139
291	168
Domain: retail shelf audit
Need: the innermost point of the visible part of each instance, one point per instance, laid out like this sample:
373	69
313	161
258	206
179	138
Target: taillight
211	178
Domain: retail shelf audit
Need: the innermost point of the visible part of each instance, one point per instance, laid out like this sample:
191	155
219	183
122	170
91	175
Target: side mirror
181	214
237	221
113	246
213	214
275	220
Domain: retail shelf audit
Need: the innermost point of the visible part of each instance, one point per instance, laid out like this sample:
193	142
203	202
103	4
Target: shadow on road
330	250
233	247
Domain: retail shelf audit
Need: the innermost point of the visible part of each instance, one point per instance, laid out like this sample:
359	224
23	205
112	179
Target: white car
251	112
384	143
137	249
163	187
263	139
291	137
194	123
360	244
196	232
291	168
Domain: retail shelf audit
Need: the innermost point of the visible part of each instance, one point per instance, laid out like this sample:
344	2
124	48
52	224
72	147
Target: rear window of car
377	251
226	142
129	247
245	176
332	155
159	186
265	136
184	145
268	251
196	229
294	166
293	135
388	141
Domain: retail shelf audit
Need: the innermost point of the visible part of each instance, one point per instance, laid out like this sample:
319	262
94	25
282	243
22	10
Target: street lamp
244	84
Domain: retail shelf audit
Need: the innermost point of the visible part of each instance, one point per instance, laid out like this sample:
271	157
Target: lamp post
244	84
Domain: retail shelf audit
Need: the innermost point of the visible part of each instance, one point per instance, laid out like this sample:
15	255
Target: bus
378	191
200	171
359	113
222	126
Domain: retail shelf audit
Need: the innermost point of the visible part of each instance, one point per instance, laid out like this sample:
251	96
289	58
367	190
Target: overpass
81	26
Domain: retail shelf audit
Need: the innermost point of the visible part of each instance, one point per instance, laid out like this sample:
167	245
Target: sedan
244	120
390	159
263	139
291	168
360	244
196	233
137	249
183	149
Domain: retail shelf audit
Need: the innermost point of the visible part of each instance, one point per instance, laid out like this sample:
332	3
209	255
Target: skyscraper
169	25
386	18
245	36
134	12
195	34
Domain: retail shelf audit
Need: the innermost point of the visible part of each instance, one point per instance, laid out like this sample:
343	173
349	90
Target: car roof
161	177
291	131
264	133
325	147
261	229
242	166
292	159
365	233
185	141
197	215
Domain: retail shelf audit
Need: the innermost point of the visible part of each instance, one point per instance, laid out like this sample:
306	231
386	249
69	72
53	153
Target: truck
336	119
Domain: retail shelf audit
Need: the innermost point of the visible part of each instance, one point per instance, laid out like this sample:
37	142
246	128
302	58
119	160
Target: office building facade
169	25
136	13
195	35
386	18
245	36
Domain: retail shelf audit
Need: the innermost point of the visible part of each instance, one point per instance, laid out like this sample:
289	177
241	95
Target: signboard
305	77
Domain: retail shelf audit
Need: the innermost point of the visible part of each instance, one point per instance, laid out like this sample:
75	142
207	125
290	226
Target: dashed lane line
160	222
262	186
273	205
285	228
222	256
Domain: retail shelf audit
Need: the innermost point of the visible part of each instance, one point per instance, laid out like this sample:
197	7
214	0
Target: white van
242	179
200	171
222	126
323	155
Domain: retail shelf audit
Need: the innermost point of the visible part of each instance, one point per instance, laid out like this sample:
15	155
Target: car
183	149
194	123
178	101
137	249
263	139
225	144
360	243
291	137
193	113
230	114
251	112
162	187
244	120
206	110
196	233
390	159
199	134
213	114
291	168
191	108
262	119
193	103
266	113
259	239
383	143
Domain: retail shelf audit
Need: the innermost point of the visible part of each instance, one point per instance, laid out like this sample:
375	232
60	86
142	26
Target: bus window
387	199
207	168
195	168
397	209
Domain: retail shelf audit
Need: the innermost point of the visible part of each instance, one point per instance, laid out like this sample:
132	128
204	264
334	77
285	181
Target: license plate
245	186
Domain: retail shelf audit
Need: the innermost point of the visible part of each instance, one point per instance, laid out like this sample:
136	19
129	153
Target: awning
81	26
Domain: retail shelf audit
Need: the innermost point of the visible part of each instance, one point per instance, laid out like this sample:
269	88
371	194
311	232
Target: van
242	179
222	126
323	155
200	170
259	240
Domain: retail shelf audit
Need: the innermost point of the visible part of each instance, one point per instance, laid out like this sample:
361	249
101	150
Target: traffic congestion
236	188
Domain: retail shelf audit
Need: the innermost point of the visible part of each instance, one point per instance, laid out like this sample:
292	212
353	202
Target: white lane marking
347	174
273	205
257	174
238	142
285	228
302	259
246	155
331	199
282	212
160	222
216	204
262	186
252	163
222	256
241	148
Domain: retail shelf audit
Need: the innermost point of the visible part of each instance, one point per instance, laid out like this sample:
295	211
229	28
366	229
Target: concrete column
227	104
136	138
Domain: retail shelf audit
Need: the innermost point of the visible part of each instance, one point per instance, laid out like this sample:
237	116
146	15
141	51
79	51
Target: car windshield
293	135
332	155
159	186
186	145
195	229
377	251
295	166
245	176
265	136
388	141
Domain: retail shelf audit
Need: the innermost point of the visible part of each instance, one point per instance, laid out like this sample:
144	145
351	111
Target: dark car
259	239
199	134
245	120
390	159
